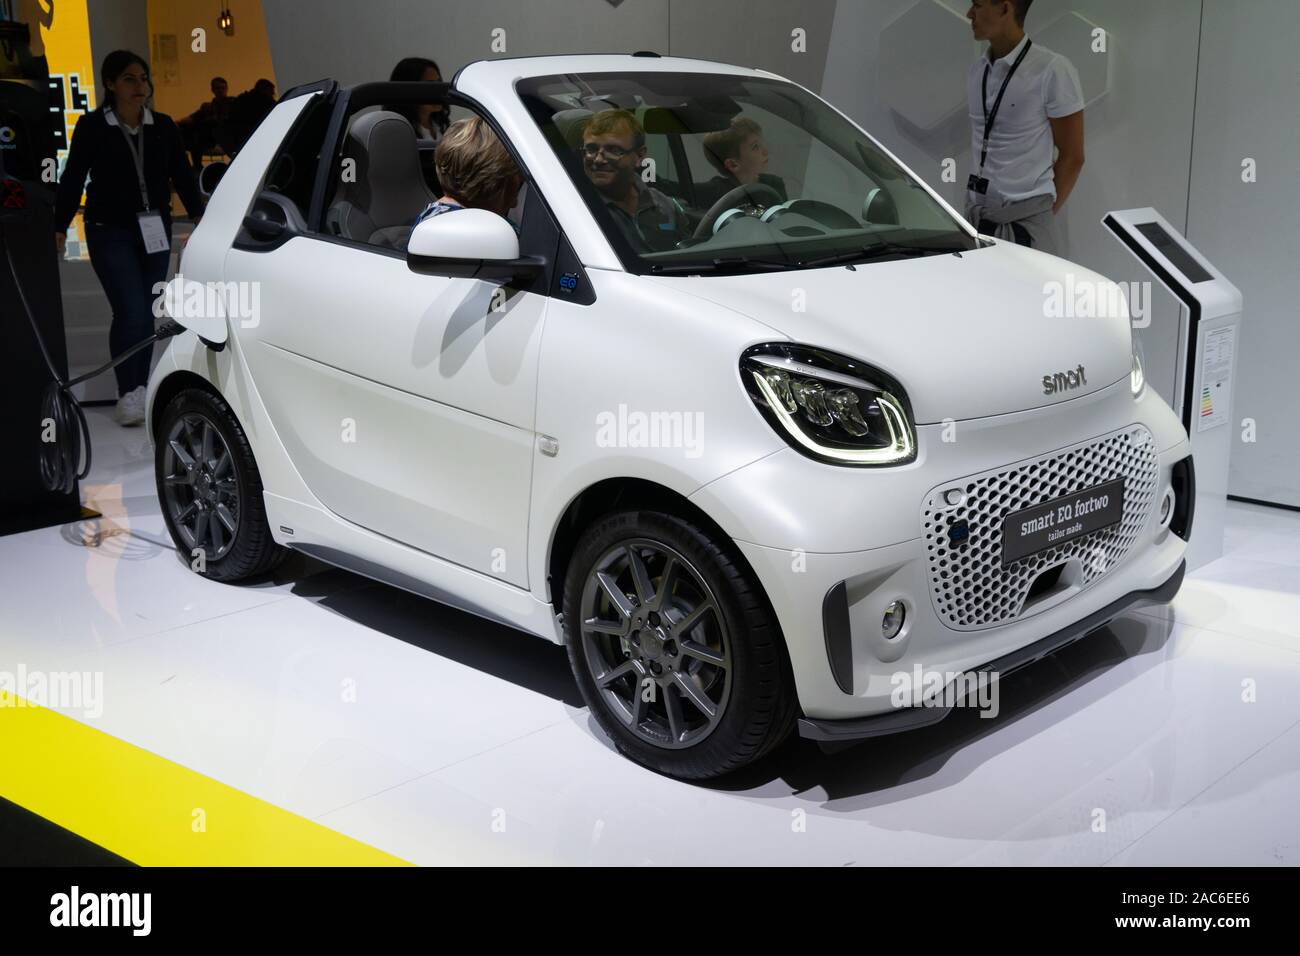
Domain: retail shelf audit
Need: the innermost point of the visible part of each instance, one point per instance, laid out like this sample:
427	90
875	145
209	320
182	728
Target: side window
292	173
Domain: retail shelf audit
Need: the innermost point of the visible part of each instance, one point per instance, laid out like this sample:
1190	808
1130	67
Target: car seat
389	192
570	124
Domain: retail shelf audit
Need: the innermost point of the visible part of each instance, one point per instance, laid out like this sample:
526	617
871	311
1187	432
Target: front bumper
833	547
912	718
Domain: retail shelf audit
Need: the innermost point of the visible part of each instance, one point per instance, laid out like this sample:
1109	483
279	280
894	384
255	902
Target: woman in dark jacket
429	120
133	156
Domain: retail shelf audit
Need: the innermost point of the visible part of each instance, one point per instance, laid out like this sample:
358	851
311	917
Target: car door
406	401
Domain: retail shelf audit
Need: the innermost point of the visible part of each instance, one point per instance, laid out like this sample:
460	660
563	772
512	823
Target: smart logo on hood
1064	381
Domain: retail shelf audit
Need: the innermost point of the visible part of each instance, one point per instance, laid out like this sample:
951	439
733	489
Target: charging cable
66	459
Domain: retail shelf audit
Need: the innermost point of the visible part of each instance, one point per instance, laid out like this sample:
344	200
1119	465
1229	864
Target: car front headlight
1137	379
830	407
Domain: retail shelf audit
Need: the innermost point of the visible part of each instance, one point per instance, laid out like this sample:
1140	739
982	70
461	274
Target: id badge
153	232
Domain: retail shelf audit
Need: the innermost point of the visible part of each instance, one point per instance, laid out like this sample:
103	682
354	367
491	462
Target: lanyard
137	155
990	117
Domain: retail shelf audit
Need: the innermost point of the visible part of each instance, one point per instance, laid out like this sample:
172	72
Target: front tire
210	489
674	647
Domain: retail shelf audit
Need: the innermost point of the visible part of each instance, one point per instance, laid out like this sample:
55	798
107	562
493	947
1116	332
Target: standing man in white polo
1026	111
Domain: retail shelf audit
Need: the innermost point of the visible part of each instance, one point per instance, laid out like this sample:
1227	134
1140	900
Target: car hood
967	336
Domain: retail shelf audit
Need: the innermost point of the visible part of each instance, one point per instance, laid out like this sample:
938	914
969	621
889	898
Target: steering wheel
822	213
745	192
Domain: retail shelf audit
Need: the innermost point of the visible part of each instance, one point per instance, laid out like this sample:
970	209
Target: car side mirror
469	244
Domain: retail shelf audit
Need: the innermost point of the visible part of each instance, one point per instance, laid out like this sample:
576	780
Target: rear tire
690	679
210	489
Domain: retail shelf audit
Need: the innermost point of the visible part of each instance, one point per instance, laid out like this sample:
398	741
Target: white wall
757	34
1246	107
360	42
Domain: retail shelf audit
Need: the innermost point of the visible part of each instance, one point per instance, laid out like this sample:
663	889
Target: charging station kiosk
1195	353
27	242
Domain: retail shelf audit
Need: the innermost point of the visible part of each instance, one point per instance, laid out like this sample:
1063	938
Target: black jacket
113	195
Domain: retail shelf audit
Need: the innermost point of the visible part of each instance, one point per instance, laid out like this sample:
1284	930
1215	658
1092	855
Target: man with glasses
613	148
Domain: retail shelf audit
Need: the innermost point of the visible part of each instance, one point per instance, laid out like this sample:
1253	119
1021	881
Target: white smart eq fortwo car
749	438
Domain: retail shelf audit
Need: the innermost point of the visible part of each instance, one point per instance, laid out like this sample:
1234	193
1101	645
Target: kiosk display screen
1173	250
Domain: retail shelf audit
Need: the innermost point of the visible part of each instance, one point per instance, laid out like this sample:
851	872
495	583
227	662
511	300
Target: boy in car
739	154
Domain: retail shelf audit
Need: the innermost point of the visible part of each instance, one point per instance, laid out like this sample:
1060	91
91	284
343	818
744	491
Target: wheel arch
173	385
624	494
612	495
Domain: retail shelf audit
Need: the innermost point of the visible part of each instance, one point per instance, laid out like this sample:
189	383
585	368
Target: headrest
570	123
385	142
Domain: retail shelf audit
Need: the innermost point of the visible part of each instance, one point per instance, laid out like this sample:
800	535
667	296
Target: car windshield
694	173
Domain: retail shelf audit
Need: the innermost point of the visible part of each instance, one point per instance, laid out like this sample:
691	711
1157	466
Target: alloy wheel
200	489
656	643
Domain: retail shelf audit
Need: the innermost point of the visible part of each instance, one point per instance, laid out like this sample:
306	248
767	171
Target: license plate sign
1061	520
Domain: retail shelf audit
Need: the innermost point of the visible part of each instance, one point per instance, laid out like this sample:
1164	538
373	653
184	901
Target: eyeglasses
613	151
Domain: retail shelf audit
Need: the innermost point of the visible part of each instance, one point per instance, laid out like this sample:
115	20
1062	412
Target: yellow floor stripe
146	808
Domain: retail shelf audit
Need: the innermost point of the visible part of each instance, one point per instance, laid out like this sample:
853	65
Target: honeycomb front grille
968	584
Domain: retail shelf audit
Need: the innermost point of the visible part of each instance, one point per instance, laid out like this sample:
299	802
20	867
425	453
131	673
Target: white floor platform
468	743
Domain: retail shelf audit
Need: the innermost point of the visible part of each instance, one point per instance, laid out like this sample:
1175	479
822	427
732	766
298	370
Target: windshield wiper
747	263
875	251
723	264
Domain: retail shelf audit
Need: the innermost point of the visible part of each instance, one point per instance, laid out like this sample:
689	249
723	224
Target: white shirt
146	119
1021	149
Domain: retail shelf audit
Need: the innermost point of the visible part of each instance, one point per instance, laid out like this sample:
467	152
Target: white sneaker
130	407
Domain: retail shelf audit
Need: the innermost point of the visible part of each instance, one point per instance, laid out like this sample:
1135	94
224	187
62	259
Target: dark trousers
128	275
